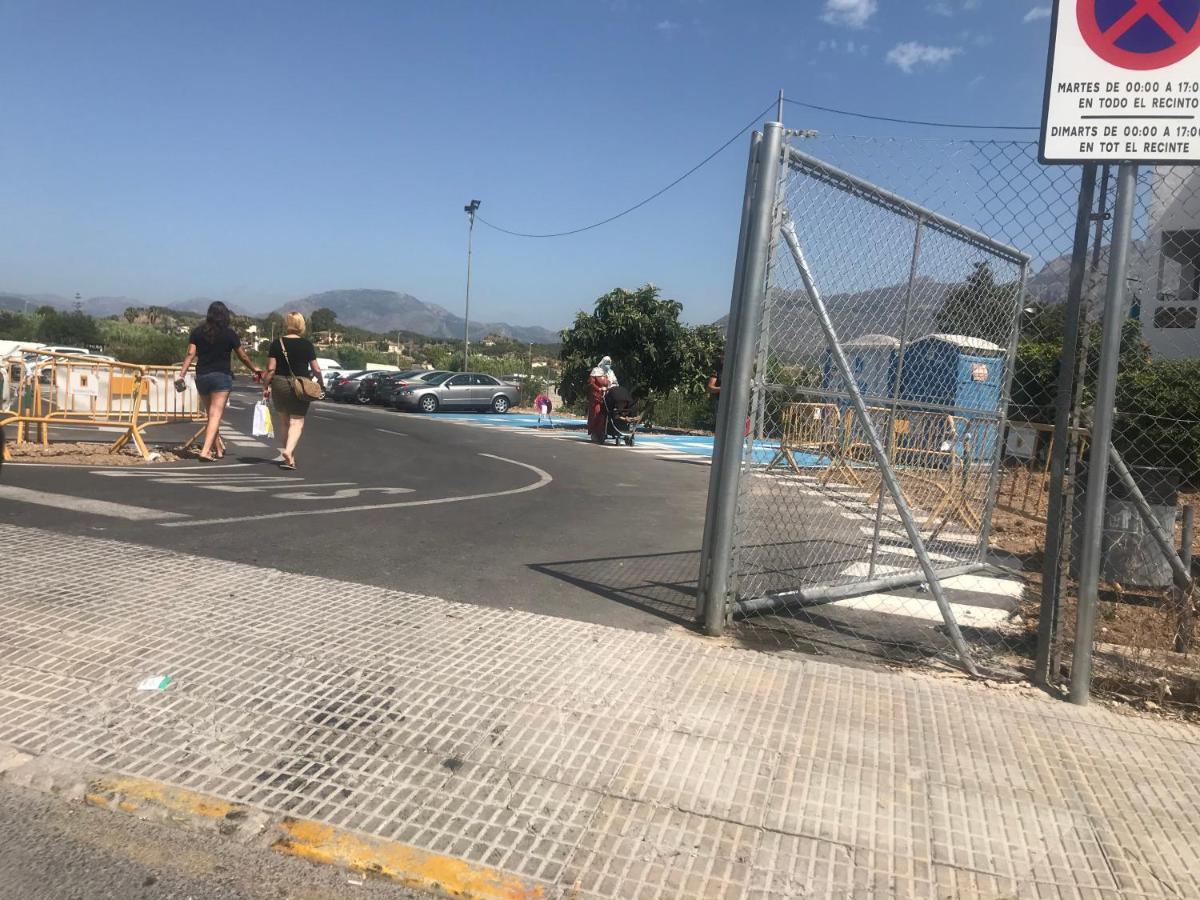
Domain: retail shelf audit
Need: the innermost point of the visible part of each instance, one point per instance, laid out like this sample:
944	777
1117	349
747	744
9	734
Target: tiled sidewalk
592	761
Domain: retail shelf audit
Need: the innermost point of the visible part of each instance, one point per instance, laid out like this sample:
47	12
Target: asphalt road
56	850
426	504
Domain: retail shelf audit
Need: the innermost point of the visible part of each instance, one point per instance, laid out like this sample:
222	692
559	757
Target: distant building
327	338
1165	279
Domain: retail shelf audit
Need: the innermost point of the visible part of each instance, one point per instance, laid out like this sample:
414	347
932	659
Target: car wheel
362	398
500	405
429	404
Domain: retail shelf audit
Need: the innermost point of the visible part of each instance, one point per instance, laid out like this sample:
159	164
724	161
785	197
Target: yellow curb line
406	864
325	844
132	794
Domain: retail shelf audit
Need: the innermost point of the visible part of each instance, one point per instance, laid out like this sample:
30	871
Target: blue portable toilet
872	358
964	376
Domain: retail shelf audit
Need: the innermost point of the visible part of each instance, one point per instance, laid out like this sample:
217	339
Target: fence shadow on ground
662	584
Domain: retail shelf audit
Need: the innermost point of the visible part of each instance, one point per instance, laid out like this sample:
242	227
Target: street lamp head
471	207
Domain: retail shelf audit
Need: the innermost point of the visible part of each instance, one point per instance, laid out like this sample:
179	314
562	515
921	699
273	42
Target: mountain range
375	310
384	311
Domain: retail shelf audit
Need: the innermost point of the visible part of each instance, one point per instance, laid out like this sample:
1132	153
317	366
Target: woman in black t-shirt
292	356
210	345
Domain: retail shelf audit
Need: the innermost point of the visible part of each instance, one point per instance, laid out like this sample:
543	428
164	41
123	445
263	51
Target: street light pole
470	209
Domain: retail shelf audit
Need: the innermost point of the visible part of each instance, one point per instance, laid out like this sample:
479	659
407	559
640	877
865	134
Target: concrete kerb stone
288	835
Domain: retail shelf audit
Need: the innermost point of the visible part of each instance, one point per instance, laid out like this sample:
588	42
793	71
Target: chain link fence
954	343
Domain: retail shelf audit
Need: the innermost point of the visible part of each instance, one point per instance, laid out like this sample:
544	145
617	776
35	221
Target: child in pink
543	406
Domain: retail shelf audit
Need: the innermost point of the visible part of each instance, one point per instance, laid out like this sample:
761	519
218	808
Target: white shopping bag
263	426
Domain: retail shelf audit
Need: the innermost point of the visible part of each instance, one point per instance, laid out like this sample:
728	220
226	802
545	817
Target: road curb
303	838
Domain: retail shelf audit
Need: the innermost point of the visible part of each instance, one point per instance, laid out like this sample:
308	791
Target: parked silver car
458	390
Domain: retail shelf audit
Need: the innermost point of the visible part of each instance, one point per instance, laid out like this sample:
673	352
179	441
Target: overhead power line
640	203
740	132
858	115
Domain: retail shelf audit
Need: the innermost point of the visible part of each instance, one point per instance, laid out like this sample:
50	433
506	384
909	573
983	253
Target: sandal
202	458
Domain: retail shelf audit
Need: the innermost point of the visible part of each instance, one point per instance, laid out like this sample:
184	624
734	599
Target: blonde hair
294	321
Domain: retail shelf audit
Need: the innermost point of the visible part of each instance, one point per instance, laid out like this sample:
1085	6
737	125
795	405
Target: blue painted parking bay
700	446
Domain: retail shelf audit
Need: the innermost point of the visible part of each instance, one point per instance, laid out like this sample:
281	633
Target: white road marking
344	494
389	431
85	505
259	487
544	478
175	473
863	570
986	584
915	608
893	550
884	534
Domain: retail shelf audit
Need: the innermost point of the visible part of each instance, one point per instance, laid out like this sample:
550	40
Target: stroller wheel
629	441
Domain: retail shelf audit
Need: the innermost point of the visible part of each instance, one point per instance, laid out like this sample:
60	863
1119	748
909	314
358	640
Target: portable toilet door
872	359
963	375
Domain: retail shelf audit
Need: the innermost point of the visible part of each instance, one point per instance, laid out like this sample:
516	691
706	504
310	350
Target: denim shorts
211	382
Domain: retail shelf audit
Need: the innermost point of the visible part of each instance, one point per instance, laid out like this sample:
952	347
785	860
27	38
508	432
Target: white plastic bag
263	426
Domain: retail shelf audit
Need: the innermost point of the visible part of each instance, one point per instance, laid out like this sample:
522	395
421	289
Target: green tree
273	325
653	352
68	328
323	319
17	327
979	307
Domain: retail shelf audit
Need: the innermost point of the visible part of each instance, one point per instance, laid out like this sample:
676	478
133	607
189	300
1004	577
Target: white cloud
910	54
951	7
1038	12
852	13
666	26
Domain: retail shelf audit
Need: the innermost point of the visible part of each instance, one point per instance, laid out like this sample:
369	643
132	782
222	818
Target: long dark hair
217	321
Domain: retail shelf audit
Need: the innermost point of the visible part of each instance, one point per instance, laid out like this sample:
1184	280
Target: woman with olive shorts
291	356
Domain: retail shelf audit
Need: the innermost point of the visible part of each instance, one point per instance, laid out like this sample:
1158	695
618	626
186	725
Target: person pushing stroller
620	415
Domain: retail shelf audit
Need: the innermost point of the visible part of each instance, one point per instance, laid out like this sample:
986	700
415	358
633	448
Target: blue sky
261	151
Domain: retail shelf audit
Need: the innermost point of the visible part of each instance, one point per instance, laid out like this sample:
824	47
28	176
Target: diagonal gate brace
885	468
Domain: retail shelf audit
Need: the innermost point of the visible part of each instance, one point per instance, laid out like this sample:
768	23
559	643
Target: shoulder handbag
305	389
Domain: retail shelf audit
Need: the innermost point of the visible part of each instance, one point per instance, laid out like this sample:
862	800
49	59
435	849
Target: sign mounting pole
1123	87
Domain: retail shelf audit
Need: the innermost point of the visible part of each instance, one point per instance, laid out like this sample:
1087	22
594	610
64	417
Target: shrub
1158	417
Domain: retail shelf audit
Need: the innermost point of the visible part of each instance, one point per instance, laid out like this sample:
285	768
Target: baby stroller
620	415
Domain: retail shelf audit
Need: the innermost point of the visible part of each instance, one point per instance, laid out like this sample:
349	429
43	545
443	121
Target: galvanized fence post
735	390
1061	441
730	338
1183	633
1101	438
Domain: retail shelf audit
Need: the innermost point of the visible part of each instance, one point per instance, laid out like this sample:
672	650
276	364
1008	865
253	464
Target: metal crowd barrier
60	389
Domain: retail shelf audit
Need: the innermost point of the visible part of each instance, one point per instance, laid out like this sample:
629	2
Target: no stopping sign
1123	82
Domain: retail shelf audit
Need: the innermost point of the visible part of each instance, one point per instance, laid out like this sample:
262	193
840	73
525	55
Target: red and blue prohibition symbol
1140	34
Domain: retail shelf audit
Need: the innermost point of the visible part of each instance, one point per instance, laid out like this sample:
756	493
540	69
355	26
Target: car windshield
436	377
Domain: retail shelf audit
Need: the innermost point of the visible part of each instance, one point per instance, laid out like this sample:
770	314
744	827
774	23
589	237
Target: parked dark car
385	390
364	392
344	387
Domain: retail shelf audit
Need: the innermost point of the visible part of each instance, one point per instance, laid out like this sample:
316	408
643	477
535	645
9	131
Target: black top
299	350
213	356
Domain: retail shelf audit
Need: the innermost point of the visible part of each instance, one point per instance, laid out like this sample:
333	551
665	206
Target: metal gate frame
763	220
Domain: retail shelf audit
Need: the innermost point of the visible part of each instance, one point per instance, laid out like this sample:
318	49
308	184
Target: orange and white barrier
63	389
